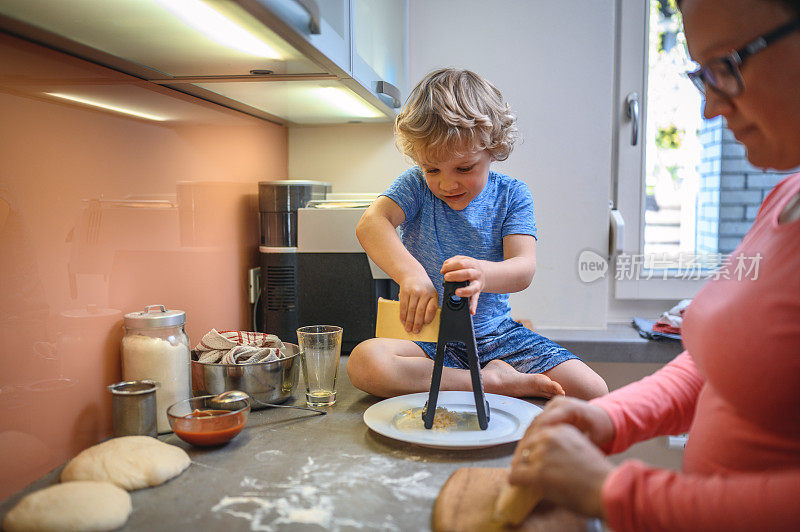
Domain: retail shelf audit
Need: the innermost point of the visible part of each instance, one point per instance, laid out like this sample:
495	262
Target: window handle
632	112
617	236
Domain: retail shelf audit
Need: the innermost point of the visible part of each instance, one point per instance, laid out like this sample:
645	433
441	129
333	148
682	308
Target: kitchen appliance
338	283
278	202
455	325
452	324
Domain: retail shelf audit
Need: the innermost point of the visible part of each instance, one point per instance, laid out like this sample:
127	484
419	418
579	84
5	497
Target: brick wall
731	189
708	200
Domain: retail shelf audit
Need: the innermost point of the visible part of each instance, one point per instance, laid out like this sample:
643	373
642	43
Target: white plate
508	419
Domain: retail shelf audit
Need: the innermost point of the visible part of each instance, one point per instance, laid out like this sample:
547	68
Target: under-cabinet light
347	102
108	107
219	28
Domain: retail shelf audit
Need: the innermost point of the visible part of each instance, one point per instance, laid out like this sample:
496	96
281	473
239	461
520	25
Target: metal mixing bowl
269	382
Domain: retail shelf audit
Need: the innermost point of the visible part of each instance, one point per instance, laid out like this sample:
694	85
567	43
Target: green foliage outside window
669	138
667	7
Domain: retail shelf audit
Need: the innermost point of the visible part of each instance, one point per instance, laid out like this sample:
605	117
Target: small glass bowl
219	427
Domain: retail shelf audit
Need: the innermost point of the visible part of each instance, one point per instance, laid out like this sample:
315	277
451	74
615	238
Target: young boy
460	221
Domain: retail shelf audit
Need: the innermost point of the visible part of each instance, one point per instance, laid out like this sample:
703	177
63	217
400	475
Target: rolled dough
83	505
130	462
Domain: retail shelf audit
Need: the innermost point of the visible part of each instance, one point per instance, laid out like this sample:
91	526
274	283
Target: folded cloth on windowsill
665	328
645	328
239	347
671	321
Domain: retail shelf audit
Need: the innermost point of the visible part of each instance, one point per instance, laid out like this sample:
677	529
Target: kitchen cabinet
321	27
373	33
289	61
380	47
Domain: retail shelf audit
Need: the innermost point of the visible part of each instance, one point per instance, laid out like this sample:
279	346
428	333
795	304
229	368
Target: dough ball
83	505
130	462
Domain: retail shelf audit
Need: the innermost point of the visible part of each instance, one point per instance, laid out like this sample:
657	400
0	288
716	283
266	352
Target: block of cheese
388	324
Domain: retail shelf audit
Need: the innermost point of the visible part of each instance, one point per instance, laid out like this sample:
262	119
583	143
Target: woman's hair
452	112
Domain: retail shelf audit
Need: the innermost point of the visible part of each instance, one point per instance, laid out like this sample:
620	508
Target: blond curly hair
452	112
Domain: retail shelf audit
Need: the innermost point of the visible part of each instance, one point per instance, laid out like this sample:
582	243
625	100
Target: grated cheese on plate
444	419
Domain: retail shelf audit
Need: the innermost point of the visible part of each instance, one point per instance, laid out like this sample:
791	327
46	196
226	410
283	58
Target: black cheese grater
455	325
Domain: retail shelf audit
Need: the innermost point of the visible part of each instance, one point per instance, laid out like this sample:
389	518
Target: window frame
629	179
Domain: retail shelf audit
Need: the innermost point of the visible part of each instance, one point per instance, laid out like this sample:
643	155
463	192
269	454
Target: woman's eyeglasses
724	75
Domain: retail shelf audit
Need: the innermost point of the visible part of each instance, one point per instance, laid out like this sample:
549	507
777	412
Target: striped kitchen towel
239	347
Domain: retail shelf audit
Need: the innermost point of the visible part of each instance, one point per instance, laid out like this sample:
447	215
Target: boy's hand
461	268
418	301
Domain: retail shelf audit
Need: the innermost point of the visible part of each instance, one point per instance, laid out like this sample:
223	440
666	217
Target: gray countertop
619	342
294	470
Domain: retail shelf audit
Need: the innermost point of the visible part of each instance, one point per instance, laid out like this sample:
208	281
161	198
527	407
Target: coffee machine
278	202
313	269
339	284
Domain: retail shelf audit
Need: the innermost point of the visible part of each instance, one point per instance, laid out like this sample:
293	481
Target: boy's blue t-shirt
433	232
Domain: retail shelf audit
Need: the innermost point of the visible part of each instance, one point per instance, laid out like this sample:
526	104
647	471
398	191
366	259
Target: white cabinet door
155	39
327	101
322	24
380	48
283	60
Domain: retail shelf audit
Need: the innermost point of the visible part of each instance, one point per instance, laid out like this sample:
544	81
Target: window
683	185
671	142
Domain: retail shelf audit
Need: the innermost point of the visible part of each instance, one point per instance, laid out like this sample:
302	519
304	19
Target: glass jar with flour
156	347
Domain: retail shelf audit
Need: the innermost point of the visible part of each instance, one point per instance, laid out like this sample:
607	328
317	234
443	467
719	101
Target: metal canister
278	202
134	404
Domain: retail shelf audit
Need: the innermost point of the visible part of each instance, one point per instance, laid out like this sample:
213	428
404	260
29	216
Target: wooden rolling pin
515	503
468	502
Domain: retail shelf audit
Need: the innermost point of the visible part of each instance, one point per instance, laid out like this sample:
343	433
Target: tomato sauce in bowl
204	427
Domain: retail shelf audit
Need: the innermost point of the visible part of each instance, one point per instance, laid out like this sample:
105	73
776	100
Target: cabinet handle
632	112
312	8
387	89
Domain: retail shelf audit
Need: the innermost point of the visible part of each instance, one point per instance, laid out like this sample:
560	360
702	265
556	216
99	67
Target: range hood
244	54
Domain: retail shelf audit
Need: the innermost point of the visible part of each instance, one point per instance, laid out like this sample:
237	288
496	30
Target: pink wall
73	260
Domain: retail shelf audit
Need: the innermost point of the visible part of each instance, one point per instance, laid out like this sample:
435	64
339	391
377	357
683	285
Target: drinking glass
321	346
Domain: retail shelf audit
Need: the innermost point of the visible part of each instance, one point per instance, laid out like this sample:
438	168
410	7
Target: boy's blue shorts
513	343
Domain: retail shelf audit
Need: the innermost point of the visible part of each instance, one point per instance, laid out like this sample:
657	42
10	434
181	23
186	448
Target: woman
736	388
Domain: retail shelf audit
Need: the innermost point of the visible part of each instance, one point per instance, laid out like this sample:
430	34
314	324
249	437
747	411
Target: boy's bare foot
501	378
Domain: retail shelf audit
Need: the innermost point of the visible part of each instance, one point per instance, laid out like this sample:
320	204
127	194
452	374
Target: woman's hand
418	301
461	268
565	465
592	420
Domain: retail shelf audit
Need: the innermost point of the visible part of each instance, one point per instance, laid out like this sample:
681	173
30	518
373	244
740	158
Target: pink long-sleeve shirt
736	390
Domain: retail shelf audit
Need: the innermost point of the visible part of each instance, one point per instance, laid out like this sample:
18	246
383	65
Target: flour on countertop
309	495
270	454
207	466
277	511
